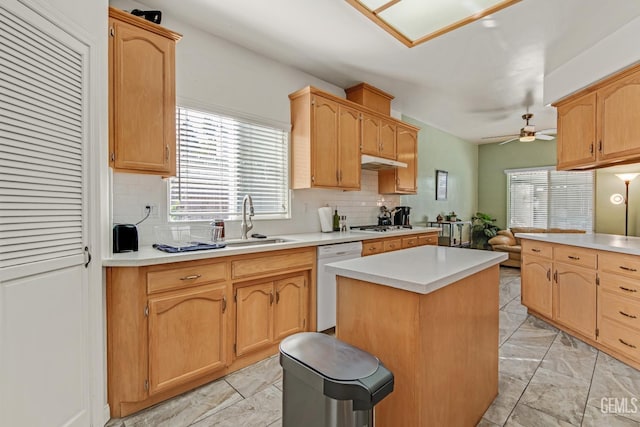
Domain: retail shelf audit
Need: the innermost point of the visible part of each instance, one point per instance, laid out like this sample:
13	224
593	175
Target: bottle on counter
336	221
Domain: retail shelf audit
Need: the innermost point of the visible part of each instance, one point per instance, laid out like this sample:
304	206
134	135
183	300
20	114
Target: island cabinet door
290	306
575	298
187	336
537	291
254	317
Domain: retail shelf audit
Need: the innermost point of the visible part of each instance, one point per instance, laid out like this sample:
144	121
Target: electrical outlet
154	210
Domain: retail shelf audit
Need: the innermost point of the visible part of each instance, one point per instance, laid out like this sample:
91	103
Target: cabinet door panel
349	148
143	100
388	135
407	145
370	134
537	292
254	327
619	117
325	143
187	336
577	143
290	309
575	298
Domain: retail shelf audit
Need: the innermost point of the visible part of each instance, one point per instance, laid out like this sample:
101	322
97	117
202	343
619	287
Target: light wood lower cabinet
537	288
267	312
377	246
575	298
172	327
596	294
187	336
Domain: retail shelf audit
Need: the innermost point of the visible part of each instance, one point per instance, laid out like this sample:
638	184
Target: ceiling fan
527	133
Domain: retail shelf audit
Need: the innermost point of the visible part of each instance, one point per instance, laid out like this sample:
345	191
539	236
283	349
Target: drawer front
392	245
410	242
576	256
621	309
621	338
372	247
541	249
271	264
176	278
626	265
428	239
620	285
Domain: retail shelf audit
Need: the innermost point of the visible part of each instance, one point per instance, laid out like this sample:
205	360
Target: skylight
416	21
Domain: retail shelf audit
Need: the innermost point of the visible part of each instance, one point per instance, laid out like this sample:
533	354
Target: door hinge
146	311
87	257
146	385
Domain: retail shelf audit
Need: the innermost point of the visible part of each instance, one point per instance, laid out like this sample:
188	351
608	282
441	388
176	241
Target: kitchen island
430	314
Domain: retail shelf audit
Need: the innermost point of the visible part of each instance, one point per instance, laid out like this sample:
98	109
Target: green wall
440	150
493	159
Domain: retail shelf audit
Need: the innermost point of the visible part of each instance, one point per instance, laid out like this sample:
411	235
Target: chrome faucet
244	227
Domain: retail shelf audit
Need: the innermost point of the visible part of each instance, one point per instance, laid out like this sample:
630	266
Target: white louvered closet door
44	351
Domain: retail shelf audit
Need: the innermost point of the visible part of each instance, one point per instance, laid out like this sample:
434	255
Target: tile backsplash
131	192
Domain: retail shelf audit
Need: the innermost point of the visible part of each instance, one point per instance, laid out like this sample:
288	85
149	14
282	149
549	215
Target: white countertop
605	242
422	270
147	255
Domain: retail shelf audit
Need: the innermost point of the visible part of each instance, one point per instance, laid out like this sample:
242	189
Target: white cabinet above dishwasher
326	282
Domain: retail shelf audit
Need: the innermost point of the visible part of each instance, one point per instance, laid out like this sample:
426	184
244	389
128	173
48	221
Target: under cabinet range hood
380	163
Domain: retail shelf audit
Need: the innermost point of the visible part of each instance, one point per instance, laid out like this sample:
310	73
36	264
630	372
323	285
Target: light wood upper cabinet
329	134
576	142
187	336
600	126
325	143
142	100
619	118
378	136
402	180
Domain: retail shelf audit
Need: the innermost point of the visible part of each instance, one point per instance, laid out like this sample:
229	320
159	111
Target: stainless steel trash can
328	383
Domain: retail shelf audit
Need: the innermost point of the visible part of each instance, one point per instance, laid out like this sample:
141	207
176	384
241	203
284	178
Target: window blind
41	145
546	198
220	160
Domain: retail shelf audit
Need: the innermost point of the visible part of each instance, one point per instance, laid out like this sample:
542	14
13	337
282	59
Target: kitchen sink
254	242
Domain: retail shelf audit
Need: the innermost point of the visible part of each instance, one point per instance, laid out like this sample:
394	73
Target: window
220	160
547	198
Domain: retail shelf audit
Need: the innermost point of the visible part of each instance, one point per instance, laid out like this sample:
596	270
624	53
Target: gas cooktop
379	228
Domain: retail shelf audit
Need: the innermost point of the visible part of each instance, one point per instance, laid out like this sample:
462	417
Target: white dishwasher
326	282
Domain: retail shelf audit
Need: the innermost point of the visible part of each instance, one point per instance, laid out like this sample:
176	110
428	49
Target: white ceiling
472	82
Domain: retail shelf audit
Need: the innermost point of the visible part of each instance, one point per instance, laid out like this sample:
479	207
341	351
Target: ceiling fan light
528	138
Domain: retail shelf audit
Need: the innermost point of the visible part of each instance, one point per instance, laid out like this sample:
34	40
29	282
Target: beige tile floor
547	378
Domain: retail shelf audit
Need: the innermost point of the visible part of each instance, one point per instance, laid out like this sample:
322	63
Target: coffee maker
401	216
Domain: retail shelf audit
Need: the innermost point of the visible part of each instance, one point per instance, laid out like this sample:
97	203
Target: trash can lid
329	356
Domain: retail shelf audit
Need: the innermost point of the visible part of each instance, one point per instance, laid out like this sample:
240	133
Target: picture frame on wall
441	184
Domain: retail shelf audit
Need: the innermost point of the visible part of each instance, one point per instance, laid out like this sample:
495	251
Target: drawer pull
371	249
631	316
575	258
626	343
628	268
535	250
627	289
549	274
192	277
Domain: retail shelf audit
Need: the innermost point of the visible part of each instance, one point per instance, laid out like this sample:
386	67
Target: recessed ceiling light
416	21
